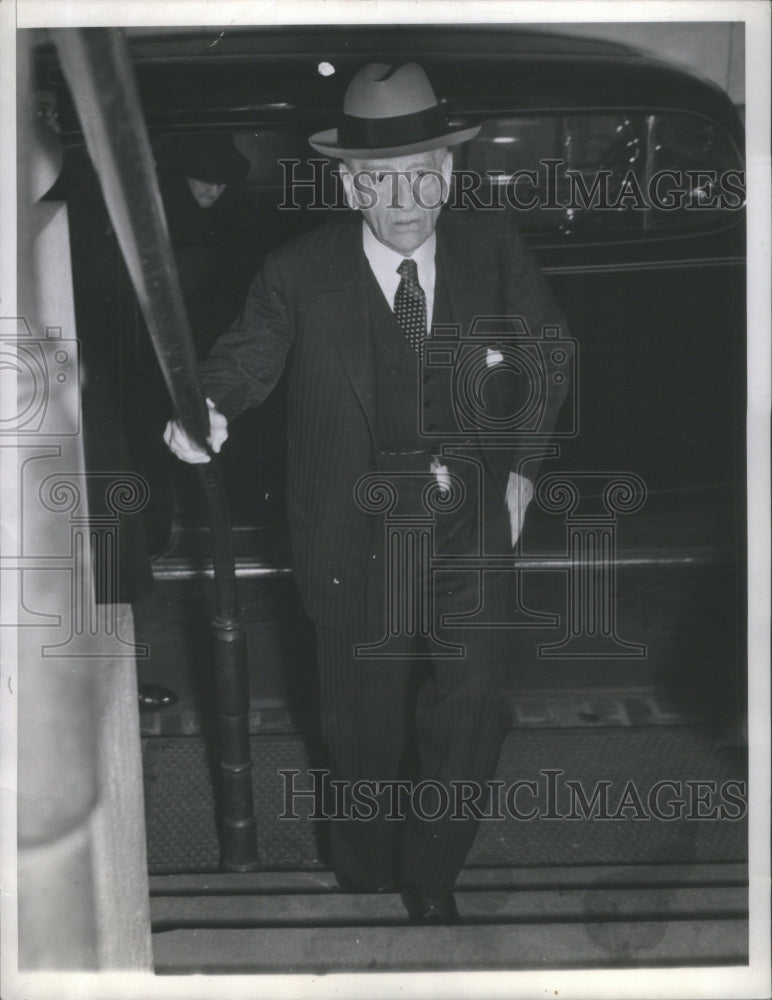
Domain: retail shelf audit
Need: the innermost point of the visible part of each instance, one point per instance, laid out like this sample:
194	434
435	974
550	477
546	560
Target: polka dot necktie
410	304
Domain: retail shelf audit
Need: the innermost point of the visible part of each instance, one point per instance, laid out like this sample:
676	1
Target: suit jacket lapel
473	290
470	284
342	300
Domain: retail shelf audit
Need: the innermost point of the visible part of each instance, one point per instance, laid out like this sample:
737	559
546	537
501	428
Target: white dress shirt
384	263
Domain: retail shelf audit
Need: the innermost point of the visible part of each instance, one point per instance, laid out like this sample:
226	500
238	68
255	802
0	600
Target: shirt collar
385	260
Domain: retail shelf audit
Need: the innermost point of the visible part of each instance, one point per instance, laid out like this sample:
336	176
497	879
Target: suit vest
414	411
413	406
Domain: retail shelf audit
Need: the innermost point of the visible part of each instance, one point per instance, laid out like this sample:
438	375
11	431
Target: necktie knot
410	303
408	271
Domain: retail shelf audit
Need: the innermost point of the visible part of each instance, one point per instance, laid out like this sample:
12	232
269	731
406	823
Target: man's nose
406	191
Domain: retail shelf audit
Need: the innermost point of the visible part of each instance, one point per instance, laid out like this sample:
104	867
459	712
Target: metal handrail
98	71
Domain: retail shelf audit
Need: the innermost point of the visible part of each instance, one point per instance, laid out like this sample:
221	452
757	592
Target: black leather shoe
430	907
153	696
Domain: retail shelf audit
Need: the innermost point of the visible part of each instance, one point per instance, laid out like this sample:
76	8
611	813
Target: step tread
493	906
728	874
472	946
536	709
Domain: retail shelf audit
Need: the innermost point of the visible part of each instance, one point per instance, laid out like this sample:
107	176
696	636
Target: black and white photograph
384	456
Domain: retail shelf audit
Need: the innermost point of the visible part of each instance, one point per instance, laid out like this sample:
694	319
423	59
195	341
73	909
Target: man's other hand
179	444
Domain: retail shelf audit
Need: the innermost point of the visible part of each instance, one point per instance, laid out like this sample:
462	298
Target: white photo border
753	981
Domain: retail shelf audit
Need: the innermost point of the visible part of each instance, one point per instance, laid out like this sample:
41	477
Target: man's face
400	198
205	193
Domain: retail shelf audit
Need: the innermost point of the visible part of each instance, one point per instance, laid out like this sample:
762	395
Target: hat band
401	130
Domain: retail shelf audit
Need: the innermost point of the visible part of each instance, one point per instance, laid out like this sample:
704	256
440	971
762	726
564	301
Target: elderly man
349	307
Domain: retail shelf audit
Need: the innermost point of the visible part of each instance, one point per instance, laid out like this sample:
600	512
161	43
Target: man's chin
407	239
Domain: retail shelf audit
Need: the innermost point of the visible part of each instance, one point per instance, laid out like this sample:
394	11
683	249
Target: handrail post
98	72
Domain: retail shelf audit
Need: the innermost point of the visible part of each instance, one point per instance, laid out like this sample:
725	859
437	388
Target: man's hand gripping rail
179	444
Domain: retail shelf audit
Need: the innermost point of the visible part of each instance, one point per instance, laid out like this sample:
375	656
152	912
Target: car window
554	171
608	175
696	170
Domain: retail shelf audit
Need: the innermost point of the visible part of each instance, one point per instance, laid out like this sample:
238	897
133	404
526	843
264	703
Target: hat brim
327	142
218	170
218	176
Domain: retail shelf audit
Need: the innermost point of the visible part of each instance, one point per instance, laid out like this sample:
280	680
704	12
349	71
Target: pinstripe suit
312	307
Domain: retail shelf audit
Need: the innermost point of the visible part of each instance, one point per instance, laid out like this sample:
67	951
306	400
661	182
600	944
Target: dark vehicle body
652	283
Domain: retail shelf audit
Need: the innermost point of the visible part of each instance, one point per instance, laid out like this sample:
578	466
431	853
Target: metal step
493	906
535	709
515	918
726	874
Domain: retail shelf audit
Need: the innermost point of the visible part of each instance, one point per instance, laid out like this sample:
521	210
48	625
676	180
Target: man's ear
348	186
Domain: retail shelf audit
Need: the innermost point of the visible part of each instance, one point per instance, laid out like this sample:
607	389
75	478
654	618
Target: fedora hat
389	111
213	159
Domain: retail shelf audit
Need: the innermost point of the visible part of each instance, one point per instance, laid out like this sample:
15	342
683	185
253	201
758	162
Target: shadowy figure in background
211	216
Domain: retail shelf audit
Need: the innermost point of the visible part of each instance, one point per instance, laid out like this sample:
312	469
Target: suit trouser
459	719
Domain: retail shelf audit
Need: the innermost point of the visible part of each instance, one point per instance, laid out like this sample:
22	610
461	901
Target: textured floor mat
625	769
